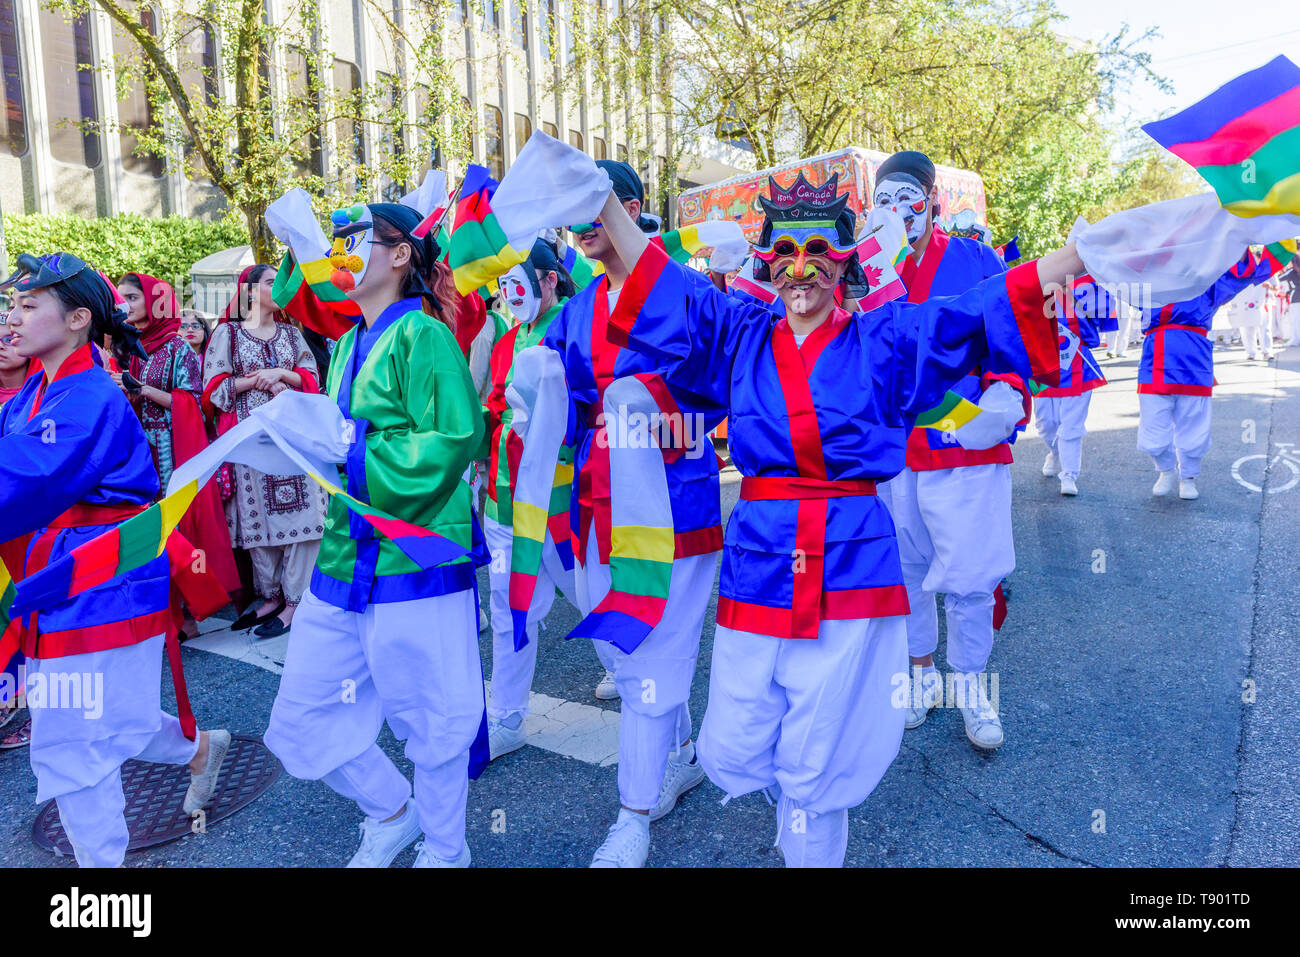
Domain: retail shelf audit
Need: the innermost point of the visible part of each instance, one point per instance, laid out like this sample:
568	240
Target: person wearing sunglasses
809	671
952	504
75	464
194	329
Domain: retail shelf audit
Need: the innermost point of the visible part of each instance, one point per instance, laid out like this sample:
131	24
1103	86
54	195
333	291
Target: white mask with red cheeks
904	196
517	290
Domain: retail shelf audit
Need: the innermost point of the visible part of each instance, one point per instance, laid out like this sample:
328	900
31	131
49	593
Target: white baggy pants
414	664
1062	422
512	671
654	681
954	536
819	721
1175	431
77	748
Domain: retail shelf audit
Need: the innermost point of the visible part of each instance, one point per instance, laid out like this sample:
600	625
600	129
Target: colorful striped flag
682	244
1280	253
583	270
130	545
949	415
319	305
1244	140
642	539
6	603
479	250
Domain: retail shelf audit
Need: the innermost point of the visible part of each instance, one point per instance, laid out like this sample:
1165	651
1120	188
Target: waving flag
130	545
1244	140
320	306
882	246
479	250
6	603
949	415
682	244
583	270
1009	251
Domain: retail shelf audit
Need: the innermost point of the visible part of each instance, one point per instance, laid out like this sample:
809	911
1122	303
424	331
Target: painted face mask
350	252
904	196
520	293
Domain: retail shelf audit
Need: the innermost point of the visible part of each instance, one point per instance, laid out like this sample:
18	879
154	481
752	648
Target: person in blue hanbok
75	463
809	675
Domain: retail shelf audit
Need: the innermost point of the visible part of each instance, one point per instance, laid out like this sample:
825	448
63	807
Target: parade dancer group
850	521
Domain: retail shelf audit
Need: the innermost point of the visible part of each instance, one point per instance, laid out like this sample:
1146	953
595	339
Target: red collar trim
918	278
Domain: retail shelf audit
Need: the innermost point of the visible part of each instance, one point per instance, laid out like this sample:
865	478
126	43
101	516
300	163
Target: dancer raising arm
809	670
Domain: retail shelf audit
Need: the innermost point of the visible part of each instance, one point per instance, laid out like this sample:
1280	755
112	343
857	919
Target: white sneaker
502	739
1068	485
426	858
628	842
204	784
679	777
931	693
607	690
381	842
1164	483
983	726
1187	489
1051	464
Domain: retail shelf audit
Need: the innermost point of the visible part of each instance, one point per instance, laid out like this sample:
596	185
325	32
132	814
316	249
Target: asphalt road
1128	739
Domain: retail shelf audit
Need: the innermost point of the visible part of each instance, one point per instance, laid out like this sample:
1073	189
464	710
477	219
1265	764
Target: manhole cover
155	794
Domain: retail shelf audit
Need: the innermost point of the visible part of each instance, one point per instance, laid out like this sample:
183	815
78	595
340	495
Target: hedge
164	247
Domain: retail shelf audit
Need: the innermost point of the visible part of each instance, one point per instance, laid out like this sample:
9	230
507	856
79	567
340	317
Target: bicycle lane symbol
1261	467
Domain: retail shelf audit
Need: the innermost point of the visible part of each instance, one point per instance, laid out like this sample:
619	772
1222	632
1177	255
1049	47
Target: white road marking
580	731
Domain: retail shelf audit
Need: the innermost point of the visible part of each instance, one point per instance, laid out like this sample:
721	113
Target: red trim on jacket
884	601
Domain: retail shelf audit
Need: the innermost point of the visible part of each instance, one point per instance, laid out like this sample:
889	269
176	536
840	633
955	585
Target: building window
545	21
663	185
135	114
69	88
303	86
622	153
428	143
519	23
551	130
459	11
391	131
493	147
491	15
598	149
523	130
198	73
13	119
575	139
348	137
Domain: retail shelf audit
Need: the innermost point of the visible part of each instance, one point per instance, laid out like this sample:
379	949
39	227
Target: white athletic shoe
1187	489
1051	464
628	842
204	784
426	858
931	695
381	842
502	739
607	690
983	726
679	777
1068	485
1165	483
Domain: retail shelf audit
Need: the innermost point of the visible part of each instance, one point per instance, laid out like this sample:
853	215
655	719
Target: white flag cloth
727	239
430	195
549	184
1171	251
295	433
293	222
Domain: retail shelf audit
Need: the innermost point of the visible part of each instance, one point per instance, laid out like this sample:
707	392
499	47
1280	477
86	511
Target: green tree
258	121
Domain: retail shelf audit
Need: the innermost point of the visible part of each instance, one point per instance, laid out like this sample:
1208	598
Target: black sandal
250	618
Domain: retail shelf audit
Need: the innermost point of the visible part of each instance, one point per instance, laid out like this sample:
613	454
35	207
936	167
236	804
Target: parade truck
962	210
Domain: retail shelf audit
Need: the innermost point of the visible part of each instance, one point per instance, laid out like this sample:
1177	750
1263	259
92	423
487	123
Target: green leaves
165	248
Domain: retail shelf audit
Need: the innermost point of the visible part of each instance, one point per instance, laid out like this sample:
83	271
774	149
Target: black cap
627	185
912	164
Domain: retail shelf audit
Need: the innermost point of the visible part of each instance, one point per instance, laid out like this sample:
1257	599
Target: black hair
425	276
